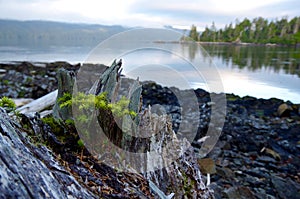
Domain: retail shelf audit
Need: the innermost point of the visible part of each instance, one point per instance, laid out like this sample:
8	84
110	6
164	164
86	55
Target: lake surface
259	71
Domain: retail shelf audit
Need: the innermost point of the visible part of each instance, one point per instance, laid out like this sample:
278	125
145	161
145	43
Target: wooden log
22	101
40	104
28	171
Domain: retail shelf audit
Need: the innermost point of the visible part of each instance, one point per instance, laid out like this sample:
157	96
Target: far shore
229	43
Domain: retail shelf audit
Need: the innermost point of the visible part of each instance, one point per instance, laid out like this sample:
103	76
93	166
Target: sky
148	13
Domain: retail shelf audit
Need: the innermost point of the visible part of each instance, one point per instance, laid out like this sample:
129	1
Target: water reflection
259	71
275	59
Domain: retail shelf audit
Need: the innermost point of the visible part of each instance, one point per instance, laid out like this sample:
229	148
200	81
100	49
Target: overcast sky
148	13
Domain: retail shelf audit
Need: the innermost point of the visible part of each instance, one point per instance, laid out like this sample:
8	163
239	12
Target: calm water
262	72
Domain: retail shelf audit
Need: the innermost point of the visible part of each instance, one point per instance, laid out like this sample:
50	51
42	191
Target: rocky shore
256	156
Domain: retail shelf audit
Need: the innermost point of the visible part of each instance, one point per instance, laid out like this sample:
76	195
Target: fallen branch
39	104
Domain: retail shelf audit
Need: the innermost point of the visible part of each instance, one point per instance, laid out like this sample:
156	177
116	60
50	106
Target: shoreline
229	43
49	68
257	153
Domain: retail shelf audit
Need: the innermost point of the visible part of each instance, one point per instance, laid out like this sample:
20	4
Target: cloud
148	13
202	12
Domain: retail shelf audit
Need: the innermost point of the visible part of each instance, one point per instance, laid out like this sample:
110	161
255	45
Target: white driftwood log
22	101
39	104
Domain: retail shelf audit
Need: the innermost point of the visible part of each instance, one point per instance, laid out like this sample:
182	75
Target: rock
240	192
284	110
207	165
285	188
266	159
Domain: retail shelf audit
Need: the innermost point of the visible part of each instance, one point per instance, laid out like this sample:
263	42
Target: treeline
259	30
13	32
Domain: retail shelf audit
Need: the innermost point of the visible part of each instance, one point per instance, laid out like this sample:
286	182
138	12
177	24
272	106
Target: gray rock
285	188
266	159
238	192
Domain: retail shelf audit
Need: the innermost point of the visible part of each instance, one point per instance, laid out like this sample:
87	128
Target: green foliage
69	122
65	100
8	104
89	102
54	124
80	143
260	31
120	109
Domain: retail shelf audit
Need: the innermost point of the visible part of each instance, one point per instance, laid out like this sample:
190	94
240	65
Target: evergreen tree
193	33
259	30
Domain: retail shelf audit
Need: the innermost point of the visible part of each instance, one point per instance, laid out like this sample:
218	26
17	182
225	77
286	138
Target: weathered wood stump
143	144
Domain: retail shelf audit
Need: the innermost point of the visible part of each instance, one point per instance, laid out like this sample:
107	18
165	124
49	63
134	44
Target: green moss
65	100
70	122
8	104
54	125
89	102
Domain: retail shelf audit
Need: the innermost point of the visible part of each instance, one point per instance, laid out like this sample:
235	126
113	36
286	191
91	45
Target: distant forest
39	33
259	31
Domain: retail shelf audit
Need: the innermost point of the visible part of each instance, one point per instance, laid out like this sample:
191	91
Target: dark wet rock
30	80
285	188
238	192
258	144
266	159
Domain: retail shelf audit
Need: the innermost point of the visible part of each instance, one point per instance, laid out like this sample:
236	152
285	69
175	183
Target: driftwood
22	101
40	104
28	171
